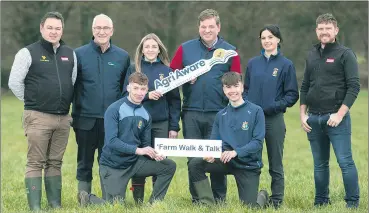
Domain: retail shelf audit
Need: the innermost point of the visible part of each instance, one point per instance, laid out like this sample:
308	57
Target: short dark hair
52	14
231	78
138	78
273	29
326	19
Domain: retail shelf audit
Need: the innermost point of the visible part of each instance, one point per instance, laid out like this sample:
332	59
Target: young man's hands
149	151
224	158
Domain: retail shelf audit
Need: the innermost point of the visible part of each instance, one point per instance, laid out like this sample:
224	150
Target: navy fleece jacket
271	83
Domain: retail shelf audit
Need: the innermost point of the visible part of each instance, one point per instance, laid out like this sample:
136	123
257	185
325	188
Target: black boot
263	199
83	186
34	192
204	192
138	191
53	187
87	199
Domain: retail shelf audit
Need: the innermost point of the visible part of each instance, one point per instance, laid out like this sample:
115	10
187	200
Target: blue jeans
320	138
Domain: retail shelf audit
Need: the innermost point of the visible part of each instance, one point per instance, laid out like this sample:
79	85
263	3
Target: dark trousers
88	141
247	180
320	137
275	131
158	130
115	180
198	125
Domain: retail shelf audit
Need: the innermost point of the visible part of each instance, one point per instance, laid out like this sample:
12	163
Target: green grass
299	182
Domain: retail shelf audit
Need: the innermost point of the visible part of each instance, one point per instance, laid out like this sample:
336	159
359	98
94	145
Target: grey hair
102	16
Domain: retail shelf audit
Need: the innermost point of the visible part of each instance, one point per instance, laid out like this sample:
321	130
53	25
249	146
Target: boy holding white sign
127	152
241	127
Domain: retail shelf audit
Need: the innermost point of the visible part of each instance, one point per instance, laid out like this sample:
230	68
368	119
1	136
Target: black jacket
48	84
331	79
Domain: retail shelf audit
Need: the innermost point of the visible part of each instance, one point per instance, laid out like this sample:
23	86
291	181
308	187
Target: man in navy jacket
241	127
203	97
102	67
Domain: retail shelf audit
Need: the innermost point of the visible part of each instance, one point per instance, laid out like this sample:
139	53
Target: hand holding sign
155	95
149	151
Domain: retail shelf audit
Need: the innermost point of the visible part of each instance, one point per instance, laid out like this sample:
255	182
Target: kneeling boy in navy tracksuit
127	151
241	127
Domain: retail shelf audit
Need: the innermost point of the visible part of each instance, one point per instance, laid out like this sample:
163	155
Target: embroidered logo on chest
161	76
43	58
139	124
64	58
330	60
275	72
245	125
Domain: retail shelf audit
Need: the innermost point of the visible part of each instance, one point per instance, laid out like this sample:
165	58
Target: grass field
299	192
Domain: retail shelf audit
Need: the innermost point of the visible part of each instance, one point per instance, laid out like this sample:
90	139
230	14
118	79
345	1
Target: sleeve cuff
349	100
131	149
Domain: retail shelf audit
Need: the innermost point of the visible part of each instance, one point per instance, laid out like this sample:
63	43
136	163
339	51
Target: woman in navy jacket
271	83
152	59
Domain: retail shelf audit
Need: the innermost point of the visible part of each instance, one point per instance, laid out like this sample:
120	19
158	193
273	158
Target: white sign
180	77
188	147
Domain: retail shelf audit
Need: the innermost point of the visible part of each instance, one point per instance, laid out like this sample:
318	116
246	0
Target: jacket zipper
100	81
60	88
261	85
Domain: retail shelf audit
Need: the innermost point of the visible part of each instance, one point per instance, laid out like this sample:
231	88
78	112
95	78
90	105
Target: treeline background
176	22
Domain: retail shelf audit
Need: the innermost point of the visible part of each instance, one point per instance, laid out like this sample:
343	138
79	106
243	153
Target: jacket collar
215	46
262	52
328	47
144	62
238	107
129	103
97	47
49	46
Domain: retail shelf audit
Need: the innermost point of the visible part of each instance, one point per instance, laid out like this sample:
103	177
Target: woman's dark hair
273	29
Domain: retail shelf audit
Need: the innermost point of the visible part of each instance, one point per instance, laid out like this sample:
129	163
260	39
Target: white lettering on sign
188	147
180	77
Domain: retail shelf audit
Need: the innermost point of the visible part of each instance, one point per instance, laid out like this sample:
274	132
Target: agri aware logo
182	76
43	58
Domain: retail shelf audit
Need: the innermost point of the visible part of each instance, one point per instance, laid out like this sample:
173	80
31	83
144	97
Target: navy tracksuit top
127	127
241	129
271	83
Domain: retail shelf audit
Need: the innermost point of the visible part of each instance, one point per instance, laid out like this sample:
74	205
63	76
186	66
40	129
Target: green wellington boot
34	192
53	187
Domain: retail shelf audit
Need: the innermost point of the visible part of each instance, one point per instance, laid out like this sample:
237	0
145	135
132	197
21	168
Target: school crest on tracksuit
245	125
161	76
139	124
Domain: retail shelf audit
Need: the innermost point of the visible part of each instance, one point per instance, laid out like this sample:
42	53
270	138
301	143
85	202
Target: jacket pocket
339	96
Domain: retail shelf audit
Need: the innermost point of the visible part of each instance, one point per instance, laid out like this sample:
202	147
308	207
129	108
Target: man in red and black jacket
203	97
